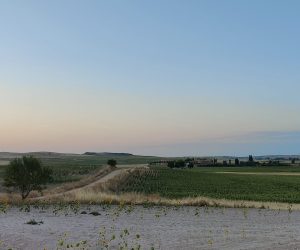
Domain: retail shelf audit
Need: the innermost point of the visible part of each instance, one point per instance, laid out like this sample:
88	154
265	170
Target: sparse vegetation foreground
131	227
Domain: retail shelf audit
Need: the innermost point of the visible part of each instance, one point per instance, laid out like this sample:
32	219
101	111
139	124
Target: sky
170	78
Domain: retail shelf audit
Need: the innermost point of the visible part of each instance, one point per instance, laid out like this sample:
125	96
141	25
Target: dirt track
102	179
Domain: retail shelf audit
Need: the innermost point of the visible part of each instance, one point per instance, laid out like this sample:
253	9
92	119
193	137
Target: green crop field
179	183
254	169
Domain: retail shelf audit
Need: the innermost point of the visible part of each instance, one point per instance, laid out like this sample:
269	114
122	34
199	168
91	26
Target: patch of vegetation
180	183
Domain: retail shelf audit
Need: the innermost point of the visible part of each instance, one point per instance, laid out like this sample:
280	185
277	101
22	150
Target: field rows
191	183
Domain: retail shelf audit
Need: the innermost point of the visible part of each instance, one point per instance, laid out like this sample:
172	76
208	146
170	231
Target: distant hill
107	154
36	154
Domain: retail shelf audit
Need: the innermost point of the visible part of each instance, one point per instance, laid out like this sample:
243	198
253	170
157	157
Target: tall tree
251	158
26	174
237	161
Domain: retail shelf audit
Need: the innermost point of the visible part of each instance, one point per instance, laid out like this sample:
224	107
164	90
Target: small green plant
63	243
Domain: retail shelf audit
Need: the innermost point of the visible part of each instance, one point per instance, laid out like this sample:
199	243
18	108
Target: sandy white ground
159	227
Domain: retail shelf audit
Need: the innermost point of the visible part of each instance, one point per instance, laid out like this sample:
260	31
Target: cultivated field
276	184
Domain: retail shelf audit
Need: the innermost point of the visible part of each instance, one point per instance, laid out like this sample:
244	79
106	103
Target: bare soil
158	227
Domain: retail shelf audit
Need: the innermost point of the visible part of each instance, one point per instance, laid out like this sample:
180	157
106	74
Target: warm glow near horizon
144	78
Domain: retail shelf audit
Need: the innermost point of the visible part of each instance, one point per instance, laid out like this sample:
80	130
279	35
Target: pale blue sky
151	77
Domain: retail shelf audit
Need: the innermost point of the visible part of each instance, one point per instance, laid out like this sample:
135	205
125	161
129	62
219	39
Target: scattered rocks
95	213
34	222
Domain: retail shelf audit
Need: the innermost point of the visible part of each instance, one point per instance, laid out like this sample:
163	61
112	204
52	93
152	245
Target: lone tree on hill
26	174
112	162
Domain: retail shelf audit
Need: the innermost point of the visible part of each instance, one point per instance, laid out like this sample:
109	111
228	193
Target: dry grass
7	198
88	197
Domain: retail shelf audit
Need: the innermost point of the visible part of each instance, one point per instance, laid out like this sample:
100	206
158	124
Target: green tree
26	174
237	161
171	164
251	158
190	165
112	162
180	164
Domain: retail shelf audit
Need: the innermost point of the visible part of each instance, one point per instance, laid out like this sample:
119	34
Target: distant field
3	163
179	183
72	167
247	169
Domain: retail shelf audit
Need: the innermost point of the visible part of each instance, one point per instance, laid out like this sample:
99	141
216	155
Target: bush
176	164
26	174
112	162
236	162
171	164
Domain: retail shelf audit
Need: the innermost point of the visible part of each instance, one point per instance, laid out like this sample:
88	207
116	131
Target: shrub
112	162
171	164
